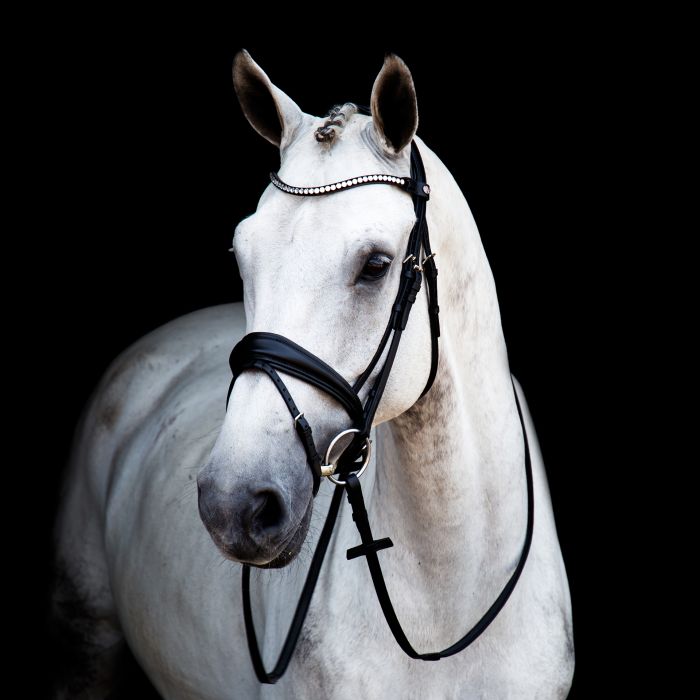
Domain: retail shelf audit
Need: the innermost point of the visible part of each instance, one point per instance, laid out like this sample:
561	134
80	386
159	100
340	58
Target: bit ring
328	468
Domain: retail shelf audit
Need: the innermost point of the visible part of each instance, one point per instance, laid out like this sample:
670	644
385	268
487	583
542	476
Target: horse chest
355	657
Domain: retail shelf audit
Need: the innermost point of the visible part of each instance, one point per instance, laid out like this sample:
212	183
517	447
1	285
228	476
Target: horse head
323	272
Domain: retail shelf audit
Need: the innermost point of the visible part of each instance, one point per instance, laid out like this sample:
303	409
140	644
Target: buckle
416	187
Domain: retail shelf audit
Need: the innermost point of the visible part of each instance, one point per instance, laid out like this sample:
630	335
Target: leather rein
272	353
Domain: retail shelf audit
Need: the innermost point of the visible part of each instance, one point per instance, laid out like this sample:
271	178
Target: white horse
448	484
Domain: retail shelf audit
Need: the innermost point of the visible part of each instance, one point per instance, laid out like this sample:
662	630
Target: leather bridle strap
369	548
409	286
302	608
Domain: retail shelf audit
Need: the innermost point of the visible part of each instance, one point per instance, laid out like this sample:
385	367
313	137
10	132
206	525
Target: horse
167	493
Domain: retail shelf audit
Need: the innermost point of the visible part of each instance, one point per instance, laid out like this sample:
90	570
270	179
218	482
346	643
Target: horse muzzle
253	524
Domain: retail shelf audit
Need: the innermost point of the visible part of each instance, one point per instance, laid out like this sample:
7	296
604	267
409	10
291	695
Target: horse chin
292	546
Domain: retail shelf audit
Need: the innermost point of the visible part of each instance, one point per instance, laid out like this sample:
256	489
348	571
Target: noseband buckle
328	468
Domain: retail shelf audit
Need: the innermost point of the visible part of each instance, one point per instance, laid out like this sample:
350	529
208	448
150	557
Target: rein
272	353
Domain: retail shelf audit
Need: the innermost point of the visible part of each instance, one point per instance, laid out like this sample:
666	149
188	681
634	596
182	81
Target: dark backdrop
152	164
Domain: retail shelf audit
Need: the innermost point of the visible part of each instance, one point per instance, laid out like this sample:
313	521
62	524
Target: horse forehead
338	224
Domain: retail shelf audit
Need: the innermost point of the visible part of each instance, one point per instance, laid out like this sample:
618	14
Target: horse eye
376	266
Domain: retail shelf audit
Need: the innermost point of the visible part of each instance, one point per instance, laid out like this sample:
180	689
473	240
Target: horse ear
274	115
394	106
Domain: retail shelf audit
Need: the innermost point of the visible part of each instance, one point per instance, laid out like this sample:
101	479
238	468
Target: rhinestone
332	187
403	182
328	188
354	181
365	178
426	189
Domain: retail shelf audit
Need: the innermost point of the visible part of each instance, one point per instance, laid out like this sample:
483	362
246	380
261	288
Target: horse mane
336	119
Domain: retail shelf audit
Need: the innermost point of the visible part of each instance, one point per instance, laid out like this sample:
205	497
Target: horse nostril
267	512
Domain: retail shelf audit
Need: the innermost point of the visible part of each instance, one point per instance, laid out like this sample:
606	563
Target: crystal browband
405	183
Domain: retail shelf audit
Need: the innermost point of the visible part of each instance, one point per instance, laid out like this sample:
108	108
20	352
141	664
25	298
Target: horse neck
450	485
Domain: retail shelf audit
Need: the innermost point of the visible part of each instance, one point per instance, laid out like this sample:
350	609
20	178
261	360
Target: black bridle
272	353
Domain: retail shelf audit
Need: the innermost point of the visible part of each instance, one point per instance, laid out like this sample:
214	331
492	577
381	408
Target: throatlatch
272	353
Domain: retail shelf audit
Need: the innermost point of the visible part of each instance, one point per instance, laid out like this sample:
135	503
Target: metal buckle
328	468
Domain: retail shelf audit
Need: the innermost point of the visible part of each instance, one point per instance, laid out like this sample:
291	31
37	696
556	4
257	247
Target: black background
151	165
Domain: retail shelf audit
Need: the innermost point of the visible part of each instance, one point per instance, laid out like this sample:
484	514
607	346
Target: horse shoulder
130	398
